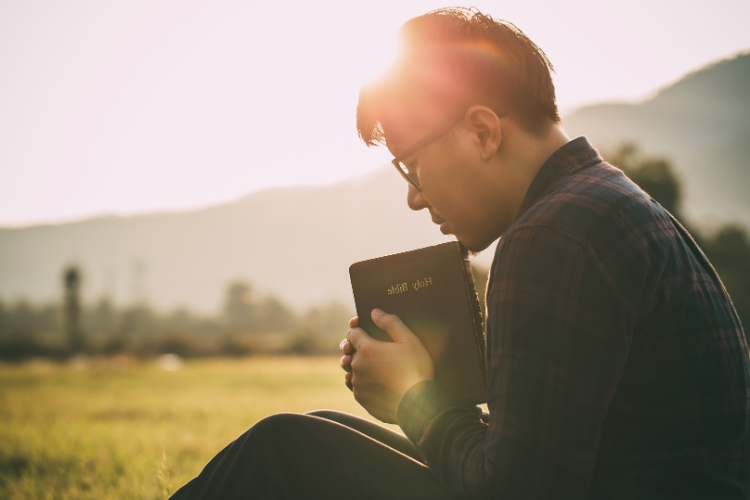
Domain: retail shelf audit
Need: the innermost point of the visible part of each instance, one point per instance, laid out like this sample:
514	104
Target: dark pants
324	454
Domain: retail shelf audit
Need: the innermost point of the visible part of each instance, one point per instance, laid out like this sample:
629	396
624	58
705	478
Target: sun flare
381	54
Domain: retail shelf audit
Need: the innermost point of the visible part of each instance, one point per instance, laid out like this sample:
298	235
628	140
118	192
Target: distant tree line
249	323
254	323
727	247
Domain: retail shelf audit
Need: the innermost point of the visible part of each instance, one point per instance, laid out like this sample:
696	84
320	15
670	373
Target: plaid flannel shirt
617	366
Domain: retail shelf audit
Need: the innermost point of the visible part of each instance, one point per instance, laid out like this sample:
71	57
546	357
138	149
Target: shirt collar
571	157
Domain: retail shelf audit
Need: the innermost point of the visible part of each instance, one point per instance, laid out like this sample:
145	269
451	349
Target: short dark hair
458	57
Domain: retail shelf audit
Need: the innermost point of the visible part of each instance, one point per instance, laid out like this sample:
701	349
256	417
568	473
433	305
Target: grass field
122	429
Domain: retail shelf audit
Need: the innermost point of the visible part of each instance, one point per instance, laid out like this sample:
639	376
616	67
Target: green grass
129	430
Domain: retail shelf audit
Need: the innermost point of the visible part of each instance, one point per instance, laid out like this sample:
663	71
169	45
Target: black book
432	290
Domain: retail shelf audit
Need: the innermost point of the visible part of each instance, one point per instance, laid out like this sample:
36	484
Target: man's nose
415	200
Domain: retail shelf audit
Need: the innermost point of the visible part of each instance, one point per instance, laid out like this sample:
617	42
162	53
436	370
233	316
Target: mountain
298	242
294	242
701	123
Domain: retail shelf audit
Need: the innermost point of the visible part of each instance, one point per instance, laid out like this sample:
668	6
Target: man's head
460	66
456	57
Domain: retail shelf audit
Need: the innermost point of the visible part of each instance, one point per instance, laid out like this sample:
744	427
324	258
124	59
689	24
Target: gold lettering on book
400	288
422	283
404	287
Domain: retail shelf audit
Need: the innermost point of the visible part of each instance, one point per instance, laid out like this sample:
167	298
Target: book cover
432	290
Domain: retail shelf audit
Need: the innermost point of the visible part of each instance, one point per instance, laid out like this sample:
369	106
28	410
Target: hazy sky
133	106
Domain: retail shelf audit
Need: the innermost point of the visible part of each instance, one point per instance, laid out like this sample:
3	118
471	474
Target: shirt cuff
421	403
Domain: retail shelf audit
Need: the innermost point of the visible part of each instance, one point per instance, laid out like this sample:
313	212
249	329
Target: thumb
393	326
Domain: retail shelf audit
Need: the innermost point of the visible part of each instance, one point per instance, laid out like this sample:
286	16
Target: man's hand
380	373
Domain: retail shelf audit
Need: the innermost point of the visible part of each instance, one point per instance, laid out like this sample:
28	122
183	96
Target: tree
240	307
248	312
72	283
275	316
729	252
655	175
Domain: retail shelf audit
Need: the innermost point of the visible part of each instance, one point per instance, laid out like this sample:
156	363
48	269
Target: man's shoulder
593	203
626	235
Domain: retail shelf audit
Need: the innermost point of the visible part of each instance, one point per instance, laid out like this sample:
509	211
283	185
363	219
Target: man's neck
525	153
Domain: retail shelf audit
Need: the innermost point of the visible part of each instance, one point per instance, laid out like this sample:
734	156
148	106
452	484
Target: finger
392	325
343	346
354	322
346	363
347	347
358	338
348	381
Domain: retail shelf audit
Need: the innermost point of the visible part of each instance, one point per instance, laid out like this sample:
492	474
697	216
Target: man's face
466	194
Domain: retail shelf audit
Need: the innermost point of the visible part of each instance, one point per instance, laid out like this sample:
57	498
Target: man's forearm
444	432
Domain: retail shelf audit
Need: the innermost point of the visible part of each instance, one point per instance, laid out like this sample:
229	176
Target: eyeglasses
428	139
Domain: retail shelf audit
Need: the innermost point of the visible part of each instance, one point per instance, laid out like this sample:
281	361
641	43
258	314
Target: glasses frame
425	141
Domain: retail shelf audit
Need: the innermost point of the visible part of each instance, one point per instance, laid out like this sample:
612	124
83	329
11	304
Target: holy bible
432	290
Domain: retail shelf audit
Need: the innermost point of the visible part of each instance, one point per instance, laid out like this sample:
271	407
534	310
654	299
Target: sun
380	56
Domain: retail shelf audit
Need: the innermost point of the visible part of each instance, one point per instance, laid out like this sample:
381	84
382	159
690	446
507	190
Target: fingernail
377	312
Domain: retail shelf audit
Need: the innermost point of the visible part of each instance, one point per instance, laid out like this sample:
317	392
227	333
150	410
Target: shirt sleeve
558	336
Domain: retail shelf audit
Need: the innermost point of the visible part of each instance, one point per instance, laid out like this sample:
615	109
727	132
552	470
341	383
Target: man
617	366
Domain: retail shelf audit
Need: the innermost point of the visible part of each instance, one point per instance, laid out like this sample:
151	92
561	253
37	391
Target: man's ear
485	124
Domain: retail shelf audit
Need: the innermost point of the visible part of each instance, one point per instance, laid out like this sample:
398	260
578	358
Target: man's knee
339	417
284	426
269	438
280	423
326	414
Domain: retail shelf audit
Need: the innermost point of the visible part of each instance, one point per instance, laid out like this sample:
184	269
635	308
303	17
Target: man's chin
473	243
473	246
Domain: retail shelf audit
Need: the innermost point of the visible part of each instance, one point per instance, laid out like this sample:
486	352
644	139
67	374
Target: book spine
473	297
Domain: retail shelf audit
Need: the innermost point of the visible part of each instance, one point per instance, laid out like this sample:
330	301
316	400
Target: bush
16	348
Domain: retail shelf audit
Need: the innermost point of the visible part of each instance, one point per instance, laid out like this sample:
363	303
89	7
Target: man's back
676	375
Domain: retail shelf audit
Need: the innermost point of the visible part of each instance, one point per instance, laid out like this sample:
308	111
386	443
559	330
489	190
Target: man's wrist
421	403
